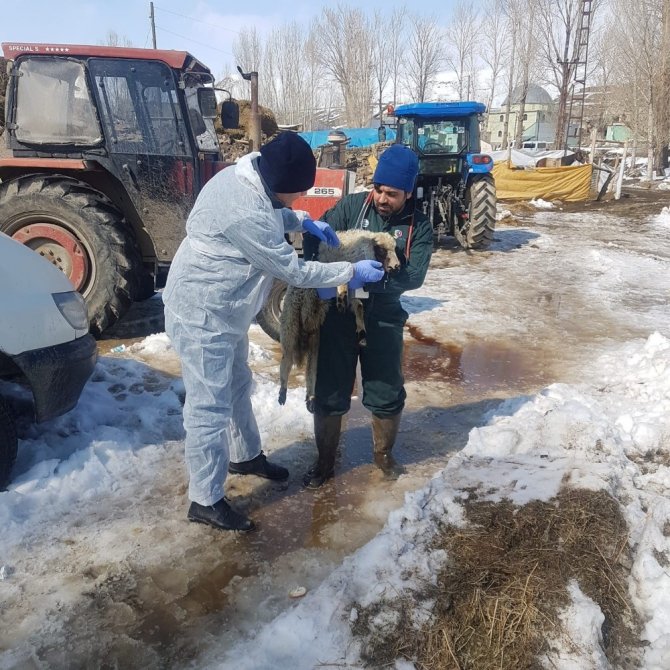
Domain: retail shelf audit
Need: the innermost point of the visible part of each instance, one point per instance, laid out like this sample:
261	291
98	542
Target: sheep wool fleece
217	283
381	360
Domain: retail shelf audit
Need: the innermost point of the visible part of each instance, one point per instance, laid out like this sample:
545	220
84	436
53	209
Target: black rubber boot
327	435
384	432
220	515
259	466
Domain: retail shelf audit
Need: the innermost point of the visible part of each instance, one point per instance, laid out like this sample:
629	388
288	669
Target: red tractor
110	147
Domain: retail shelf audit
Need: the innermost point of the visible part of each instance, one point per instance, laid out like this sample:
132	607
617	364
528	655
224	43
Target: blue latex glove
326	293
321	230
366	272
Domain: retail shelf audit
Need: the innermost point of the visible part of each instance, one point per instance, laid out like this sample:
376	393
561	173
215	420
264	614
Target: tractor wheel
481	223
79	231
270	316
8	443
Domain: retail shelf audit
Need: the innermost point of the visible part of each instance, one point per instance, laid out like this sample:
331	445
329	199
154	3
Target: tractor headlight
72	306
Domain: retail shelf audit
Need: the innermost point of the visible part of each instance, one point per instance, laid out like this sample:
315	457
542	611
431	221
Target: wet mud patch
502	598
480	366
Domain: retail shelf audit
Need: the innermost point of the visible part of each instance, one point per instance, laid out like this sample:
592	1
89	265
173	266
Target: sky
91	535
206	29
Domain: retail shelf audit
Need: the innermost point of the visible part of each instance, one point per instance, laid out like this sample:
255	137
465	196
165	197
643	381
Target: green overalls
381	360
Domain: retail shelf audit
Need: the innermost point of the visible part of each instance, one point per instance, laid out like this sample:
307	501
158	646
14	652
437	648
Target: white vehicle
44	340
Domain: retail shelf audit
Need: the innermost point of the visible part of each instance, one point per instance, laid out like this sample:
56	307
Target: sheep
303	312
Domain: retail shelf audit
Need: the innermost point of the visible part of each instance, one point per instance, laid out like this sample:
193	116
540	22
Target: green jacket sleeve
343	215
413	271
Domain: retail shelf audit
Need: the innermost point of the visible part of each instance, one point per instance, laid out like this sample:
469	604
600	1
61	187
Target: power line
202	44
191	18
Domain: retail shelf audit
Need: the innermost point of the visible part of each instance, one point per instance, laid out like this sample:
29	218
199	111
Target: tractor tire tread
483	215
118	251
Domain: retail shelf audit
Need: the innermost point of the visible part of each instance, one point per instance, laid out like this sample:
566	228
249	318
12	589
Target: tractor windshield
435	136
139	107
53	103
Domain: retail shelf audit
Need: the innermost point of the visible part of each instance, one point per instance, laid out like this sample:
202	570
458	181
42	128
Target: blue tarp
358	137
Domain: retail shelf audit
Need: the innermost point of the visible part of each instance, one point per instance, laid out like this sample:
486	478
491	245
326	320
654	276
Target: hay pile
361	161
235	142
497	603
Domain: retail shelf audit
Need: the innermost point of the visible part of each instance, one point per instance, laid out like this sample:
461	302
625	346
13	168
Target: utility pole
153	24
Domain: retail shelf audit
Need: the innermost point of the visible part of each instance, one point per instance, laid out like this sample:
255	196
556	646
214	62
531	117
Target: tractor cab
110	147
454	188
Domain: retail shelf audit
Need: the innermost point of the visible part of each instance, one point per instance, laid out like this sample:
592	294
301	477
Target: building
539	126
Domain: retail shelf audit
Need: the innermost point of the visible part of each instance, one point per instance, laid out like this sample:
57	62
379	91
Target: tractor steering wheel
433	145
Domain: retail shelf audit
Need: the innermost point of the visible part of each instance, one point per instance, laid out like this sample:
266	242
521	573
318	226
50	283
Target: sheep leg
342	297
357	307
284	371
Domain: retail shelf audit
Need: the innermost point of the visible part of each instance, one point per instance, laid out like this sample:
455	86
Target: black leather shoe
259	466
220	515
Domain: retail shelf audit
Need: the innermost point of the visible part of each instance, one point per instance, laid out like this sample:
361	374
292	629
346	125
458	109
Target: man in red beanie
217	283
389	207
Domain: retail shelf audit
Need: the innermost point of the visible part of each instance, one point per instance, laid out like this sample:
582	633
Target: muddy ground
180	586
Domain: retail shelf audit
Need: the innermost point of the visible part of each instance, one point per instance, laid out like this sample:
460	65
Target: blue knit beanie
398	167
287	164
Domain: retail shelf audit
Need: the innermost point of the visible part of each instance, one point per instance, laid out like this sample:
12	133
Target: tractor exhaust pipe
254	119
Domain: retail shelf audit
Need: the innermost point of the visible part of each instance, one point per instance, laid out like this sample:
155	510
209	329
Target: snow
539	203
594	427
583	620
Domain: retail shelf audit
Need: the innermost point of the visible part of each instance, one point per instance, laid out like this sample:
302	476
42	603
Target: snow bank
596	437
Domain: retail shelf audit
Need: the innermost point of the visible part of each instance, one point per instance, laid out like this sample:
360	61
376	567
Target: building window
525	117
502	117
500	133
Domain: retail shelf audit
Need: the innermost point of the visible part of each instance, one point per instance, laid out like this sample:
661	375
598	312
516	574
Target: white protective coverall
217	283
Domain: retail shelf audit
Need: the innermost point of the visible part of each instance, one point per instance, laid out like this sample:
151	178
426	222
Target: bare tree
318	92
382	65
230	81
395	36
514	12
605	76
528	56
663	97
494	47
248	50
283	72
558	23
424	58
639	34
345	49
113	39
462	36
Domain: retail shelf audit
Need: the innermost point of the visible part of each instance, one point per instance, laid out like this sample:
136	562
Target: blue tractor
455	187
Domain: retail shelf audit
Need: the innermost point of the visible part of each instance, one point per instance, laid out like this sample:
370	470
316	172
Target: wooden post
622	167
592	155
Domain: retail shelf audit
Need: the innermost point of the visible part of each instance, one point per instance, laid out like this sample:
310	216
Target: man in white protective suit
221	274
